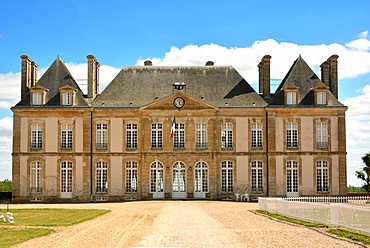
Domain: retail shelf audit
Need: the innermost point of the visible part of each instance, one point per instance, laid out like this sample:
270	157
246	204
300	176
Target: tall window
227	135
322	173
291	135
201	177
101	136
201	136
157	135
178	177
66	136
292	177
321	98
36	136
131	136
66	178
67	98
256	135
291	98
156	177
101	177
257	176
322	135
36	177
179	136
36	98
131	177
227	177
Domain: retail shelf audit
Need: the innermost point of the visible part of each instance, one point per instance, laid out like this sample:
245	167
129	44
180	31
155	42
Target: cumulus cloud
6	129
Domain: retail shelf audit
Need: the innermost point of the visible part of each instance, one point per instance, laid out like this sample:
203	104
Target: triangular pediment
189	103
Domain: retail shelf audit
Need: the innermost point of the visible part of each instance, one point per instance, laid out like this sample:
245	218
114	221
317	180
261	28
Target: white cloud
6	130
358	132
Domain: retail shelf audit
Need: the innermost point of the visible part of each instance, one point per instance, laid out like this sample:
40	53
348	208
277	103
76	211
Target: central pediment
179	101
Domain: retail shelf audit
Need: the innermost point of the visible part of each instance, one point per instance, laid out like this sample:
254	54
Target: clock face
179	102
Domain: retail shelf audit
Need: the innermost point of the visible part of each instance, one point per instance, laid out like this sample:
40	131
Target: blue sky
236	33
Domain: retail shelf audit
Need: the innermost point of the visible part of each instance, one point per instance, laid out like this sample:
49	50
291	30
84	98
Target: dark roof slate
55	77
138	86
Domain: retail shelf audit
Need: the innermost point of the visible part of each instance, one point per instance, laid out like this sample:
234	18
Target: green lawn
339	231
38	218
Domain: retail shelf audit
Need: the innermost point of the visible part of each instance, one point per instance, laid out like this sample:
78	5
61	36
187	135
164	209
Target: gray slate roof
138	86
56	76
303	77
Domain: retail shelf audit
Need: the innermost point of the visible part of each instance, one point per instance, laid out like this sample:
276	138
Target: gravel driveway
180	224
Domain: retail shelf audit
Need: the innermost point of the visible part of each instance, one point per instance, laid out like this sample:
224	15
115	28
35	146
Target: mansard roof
302	77
56	76
220	86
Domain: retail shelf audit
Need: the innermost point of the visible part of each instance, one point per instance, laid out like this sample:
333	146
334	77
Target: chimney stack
28	75
264	76
329	74
92	76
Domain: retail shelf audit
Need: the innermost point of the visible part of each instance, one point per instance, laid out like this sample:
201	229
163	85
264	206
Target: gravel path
180	224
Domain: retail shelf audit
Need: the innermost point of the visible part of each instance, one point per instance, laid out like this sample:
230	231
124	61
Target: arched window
178	177
156	177
201	177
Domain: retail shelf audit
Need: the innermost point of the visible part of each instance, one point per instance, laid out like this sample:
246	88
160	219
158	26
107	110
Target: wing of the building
177	132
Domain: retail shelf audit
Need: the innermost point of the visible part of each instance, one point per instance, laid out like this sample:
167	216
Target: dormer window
67	98
321	98
291	98
67	95
37	98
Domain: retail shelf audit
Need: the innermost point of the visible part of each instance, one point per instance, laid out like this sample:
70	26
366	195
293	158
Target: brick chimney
264	76
28	75
329	74
92	76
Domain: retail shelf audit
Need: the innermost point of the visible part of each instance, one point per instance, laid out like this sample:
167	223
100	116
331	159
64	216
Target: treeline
6	186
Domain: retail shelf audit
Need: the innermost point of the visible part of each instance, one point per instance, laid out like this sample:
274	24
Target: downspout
91	156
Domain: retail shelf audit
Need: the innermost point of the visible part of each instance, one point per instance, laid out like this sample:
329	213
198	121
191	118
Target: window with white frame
156	177
178	177
101	136
291	98
201	177
322	135
179	136
201	136
292	176
67	98
36	177
291	135
227	136
36	98
66	136
131	136
101	179
66	177
322	176
256	135
227	177
157	136
321	97
257	176
36	136
131	177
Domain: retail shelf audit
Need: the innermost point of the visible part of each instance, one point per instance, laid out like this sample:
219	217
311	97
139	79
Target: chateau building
177	132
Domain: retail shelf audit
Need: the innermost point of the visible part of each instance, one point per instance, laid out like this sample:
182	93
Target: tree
6	186
364	174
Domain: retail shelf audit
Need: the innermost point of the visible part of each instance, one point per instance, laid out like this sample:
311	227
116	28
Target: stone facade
117	145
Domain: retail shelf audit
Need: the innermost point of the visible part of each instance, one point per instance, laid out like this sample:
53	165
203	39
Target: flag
173	128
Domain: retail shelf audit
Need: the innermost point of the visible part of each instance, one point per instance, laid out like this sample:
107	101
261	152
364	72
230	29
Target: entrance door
292	179
66	179
179	180
157	180
200	180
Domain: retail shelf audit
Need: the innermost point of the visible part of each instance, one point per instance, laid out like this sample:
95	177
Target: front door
157	180
179	181
200	180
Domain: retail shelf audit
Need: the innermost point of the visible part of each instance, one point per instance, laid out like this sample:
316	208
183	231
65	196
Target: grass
35	219
338	231
53	217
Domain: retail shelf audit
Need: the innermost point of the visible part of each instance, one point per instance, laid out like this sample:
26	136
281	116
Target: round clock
179	102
